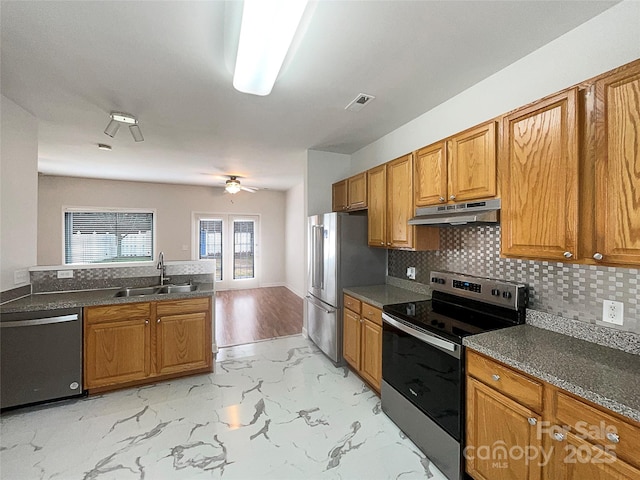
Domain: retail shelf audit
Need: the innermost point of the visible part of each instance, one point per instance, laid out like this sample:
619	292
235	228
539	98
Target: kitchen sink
155	290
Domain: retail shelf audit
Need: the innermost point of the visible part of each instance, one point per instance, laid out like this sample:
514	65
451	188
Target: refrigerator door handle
312	301
317	279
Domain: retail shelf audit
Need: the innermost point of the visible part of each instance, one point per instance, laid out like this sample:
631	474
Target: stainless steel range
423	359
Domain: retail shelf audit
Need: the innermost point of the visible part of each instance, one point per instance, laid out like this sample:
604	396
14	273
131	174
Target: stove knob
441	325
506	294
495	292
434	322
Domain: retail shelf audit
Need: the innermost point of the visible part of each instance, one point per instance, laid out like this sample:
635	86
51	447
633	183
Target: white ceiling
171	63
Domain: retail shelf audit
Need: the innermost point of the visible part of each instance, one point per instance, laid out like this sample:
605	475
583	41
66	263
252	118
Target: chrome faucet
163	268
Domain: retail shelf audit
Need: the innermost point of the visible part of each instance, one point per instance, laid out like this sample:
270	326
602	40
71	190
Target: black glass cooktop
453	318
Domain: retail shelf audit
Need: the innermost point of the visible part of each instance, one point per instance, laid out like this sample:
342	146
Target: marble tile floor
275	409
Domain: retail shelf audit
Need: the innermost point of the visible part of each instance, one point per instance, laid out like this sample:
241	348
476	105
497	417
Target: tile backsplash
567	290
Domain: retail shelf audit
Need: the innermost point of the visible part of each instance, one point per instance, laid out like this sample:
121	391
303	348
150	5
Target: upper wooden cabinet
339	196
462	168
350	194
391	206
617	167
539	166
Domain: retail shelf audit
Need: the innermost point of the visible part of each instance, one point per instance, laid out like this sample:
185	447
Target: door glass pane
210	243
243	249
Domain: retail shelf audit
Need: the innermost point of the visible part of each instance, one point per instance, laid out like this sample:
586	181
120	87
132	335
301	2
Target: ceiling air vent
359	102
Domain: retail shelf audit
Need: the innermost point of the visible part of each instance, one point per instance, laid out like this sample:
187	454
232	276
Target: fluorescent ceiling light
124	118
266	33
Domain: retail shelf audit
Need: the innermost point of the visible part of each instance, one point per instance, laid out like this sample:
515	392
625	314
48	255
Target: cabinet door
377	200
351	338
116	352
431	175
617	206
371	364
183	342
339	198
357	194
539	162
472	164
497	428
576	459
400	202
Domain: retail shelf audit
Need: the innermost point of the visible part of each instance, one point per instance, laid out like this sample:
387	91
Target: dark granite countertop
380	295
86	298
603	375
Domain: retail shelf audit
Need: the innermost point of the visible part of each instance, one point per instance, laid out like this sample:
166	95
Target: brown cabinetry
509	412
134	343
391	206
539	165
350	194
459	169
617	167
362	340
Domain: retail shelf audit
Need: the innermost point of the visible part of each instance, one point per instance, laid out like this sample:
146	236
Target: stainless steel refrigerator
338	257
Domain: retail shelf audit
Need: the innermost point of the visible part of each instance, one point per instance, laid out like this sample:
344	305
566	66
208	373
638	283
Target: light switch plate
65	273
613	312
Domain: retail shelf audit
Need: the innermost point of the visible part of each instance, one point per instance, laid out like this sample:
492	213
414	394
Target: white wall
174	205
295	246
19	192
322	170
605	42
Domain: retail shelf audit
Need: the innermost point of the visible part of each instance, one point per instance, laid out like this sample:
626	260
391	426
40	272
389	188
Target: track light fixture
116	118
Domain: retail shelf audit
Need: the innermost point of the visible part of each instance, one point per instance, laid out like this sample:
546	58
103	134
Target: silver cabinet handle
146	321
613	437
532	421
388	243
40	321
568	254
452	197
158	321
441	199
559	436
597	256
496	377
381	243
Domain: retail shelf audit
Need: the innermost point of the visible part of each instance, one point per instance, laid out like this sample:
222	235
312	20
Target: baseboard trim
293	290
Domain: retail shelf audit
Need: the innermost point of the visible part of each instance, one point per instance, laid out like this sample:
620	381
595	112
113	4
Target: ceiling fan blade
249	189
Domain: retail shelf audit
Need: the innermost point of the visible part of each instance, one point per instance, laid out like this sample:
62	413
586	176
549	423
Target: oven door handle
425	337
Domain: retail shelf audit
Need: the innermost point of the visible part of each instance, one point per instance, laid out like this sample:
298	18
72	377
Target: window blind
108	237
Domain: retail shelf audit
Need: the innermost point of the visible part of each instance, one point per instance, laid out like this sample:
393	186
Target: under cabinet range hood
480	211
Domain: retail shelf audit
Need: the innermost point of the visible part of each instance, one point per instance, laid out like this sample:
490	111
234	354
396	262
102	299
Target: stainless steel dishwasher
41	356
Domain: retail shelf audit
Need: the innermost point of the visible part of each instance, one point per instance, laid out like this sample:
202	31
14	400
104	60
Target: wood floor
246	316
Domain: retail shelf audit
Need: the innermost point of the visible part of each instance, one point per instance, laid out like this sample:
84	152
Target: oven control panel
497	292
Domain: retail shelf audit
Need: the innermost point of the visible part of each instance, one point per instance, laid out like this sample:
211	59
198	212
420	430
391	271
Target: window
109	236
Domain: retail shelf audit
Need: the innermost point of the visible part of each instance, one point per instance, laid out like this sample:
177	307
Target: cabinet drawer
372	313
593	425
516	385
114	313
351	303
188	305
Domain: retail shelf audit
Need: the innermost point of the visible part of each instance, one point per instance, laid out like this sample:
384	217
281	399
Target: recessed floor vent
359	102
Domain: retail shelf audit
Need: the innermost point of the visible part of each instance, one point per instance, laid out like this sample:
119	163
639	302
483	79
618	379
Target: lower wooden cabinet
134	343
362	340
521	428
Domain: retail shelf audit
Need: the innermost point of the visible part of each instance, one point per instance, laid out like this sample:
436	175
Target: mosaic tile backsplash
567	290
138	276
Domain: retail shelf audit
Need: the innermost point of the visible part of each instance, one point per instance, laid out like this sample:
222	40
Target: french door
231	240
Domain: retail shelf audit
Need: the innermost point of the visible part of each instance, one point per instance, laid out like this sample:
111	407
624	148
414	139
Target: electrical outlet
411	273
613	312
20	276
65	274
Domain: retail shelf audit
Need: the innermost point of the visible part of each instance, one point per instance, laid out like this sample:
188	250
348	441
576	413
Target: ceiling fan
233	186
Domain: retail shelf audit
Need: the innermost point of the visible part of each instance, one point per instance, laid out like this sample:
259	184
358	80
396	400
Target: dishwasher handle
40	321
